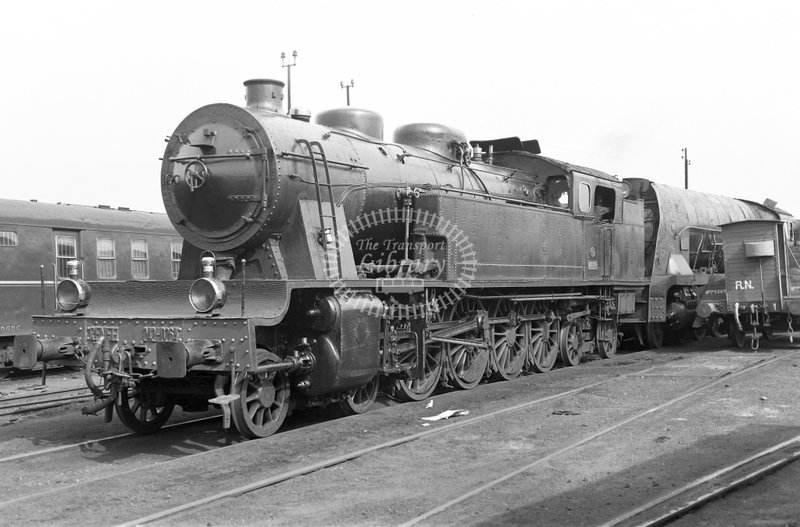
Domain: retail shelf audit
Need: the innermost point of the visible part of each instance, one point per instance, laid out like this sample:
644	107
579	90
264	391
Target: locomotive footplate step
224	399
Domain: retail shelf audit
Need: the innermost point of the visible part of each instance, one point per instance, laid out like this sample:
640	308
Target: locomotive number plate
161	334
109	332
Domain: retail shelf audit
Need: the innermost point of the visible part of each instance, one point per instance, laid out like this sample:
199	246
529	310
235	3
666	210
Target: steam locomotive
323	262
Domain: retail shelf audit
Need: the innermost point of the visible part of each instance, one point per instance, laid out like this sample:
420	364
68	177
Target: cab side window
557	192
604	204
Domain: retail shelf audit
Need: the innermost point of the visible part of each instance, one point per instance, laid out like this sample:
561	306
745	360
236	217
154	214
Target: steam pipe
103	403
87	370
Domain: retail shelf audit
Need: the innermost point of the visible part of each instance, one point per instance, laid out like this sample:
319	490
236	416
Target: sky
90	89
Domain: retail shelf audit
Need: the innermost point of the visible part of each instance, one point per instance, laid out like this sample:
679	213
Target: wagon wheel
358	400
508	342
144	413
655	334
465	364
735	335
263	401
571	344
543	347
715	327
606	338
700	332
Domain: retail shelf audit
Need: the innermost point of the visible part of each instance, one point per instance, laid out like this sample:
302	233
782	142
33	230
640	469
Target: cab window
557	192
604	204
584	197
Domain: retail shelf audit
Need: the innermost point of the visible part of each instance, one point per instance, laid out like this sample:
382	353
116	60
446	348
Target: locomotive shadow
190	438
601	500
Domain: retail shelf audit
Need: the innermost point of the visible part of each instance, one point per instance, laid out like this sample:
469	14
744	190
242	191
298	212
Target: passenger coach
39	240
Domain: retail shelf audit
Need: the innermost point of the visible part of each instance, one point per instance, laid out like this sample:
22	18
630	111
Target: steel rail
88	442
721	487
33	406
40	401
698	389
302	471
38	394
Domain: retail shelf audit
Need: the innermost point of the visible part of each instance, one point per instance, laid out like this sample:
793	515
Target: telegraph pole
289	76
347	87
686	164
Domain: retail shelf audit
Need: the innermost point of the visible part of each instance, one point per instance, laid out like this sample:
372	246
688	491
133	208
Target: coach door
67	247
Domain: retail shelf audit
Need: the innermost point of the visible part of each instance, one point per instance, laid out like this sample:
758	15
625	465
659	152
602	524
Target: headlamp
73	293
207	294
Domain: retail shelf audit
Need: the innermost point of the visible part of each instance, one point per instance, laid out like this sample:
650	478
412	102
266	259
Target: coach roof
81	217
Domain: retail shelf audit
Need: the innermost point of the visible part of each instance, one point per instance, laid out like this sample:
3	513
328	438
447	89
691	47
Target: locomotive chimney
266	94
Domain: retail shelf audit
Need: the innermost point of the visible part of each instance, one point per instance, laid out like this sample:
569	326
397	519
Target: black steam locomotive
323	262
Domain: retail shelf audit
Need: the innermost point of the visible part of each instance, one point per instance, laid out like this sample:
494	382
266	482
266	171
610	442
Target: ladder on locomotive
332	216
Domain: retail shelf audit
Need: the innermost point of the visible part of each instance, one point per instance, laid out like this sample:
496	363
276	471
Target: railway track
106	440
429	517
293	471
9	375
710	487
39	401
572	446
18	501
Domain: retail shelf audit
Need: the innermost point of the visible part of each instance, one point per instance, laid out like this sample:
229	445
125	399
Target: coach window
66	250
8	239
140	268
106	259
175	249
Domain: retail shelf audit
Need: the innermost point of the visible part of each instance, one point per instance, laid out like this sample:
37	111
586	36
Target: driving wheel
466	364
508	342
358	400
606	338
543	348
571	344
